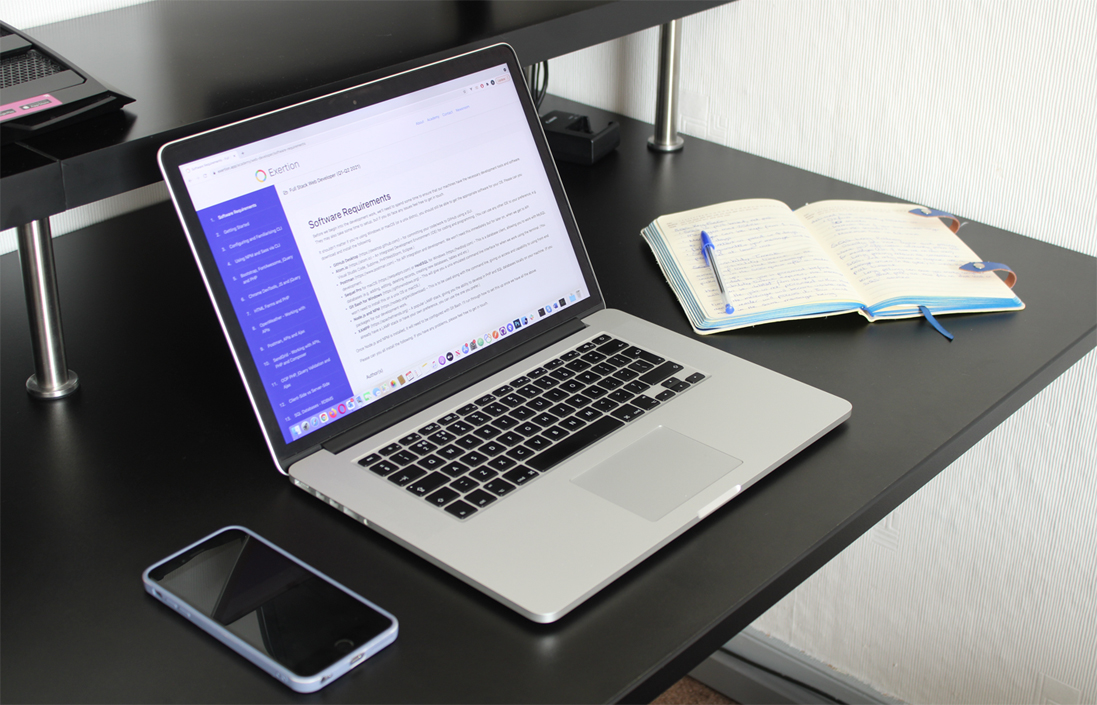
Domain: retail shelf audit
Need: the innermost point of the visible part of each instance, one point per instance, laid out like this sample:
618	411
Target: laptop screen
366	252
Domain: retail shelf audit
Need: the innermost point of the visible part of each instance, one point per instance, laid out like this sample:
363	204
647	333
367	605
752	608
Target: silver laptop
408	300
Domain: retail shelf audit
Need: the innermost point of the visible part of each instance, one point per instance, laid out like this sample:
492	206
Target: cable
537	80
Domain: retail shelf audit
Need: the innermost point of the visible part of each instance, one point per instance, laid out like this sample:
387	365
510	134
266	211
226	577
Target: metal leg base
70	385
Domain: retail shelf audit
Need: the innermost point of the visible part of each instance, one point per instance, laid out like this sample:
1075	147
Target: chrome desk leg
666	138
52	378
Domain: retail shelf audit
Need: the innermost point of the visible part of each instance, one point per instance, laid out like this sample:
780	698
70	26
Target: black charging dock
572	140
43	91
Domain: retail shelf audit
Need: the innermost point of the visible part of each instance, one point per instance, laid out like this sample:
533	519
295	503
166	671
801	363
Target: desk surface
190	67
159	447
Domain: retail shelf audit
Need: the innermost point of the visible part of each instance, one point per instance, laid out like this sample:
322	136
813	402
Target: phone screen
297	618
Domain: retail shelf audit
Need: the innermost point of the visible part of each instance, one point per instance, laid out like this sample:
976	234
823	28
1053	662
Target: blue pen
709	252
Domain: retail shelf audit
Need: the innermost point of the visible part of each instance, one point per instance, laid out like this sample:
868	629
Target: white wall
983	586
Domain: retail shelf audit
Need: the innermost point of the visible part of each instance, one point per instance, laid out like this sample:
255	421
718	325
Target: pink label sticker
10	111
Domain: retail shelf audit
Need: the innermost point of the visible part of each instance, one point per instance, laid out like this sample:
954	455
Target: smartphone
292	621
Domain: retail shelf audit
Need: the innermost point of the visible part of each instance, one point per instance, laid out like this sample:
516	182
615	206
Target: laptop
410	305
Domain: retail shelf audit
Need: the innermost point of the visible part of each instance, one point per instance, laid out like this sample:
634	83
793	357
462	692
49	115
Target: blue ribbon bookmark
933	322
934	213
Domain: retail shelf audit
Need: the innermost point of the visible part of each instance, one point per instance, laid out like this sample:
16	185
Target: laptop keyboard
471	457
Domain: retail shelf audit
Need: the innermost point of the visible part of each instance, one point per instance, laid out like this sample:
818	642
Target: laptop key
544	419
499	487
578	400
487	432
468	442
406	475
588	414
464	484
461	509
660	373
441	438
477	418
501	463
530	391
538	443
574	443
382	468
612	346
558	394
422	447
443	496
620	396
561	410
483	474
572	423
676	384
695	378
403	457
427	484
510	438
555	433
431	462
539	404
459	427
369	460
522	413
520	475
626	375
450	452
626	412
479	498
474	458
454	469
492	448
519	452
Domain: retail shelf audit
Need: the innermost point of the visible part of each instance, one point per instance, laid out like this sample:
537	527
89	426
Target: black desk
160	446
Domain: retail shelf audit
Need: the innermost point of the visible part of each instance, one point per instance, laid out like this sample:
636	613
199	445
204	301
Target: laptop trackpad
657	473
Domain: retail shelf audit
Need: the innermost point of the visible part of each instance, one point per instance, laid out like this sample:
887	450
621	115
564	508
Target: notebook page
768	259
892	254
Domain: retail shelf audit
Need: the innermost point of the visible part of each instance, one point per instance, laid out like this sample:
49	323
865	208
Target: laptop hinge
448	389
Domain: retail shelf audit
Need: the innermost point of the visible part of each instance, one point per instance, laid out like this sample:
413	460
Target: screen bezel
187	150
